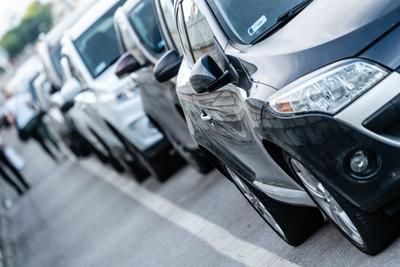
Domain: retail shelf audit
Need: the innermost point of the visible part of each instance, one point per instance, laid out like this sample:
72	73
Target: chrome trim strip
291	196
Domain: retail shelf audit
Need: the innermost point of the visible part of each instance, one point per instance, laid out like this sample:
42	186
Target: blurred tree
37	19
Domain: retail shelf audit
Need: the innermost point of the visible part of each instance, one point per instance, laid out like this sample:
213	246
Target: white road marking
217	237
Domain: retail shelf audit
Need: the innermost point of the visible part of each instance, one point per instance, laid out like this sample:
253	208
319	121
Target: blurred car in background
48	85
59	124
107	109
142	45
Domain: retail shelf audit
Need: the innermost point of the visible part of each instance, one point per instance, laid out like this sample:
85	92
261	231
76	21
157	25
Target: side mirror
58	101
69	91
207	76
53	89
168	66
126	64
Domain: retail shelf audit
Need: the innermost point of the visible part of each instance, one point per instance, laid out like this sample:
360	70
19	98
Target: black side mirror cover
126	64
67	106
207	76
54	89
168	66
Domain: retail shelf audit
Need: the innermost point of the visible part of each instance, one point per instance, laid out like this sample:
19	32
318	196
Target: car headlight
328	91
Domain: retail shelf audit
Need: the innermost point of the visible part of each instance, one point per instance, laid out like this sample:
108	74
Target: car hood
324	32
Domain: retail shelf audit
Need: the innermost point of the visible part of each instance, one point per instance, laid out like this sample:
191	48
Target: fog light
359	162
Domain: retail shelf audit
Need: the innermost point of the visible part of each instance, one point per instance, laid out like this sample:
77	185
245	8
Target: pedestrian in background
19	184
21	112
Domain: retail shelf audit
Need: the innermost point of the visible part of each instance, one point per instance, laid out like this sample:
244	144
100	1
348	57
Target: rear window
248	20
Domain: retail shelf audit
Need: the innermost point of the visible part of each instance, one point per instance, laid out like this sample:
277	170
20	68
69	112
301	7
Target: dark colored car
299	96
143	45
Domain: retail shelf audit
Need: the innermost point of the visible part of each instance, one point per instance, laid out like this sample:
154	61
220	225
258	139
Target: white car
108	110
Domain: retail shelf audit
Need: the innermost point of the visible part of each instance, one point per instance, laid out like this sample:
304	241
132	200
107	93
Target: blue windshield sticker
257	25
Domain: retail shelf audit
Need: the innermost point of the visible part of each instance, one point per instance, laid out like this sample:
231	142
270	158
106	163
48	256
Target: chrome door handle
205	117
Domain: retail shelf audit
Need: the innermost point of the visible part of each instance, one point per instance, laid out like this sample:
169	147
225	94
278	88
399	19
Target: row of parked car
296	102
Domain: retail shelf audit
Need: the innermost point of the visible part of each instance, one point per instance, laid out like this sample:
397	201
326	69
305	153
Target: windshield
98	46
248	20
143	20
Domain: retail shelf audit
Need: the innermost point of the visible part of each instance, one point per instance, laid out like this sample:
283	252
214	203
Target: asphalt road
84	214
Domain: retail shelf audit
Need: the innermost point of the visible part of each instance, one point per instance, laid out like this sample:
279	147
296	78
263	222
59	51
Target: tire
116	165
161	166
197	160
111	159
99	155
138	171
373	231
194	157
293	224
78	145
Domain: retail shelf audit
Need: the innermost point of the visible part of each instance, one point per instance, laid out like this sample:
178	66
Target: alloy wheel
255	201
327	202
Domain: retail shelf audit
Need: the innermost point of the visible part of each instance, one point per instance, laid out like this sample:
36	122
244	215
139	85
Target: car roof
91	16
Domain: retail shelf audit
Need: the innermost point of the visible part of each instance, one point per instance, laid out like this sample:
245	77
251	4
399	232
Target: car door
83	103
140	35
225	120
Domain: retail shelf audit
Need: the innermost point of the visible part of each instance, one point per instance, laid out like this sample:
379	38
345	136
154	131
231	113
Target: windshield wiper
283	20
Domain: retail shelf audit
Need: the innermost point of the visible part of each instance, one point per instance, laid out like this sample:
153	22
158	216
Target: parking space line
217	237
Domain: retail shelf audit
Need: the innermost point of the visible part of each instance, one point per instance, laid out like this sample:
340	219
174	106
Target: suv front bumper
324	144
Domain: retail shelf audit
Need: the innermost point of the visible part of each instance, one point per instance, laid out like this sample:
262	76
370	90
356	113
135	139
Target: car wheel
196	159
134	166
293	224
78	145
160	166
111	159
369	232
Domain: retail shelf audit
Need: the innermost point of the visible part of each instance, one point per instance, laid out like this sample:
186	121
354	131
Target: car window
183	37
248	20
143	20
167	13
127	40
201	38
98	46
